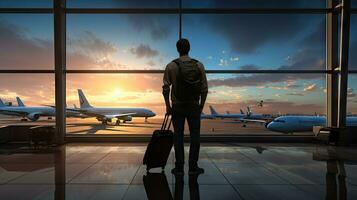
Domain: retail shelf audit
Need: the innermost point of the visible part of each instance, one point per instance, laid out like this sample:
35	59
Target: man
189	89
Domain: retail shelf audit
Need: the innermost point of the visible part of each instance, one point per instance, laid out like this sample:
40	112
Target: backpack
188	87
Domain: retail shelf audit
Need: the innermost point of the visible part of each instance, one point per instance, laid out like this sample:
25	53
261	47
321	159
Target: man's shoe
196	170
177	171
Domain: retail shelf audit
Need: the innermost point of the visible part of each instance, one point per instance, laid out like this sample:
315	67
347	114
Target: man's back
172	77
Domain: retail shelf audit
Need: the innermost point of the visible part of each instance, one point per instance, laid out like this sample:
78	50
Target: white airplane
290	124
106	115
249	116
215	114
31	113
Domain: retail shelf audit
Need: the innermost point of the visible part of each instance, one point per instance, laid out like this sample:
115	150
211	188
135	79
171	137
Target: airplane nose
270	126
153	114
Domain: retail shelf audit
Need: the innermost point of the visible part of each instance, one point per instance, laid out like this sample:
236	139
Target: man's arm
204	88
166	90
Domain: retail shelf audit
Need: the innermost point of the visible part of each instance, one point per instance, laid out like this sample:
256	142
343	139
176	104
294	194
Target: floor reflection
234	171
335	159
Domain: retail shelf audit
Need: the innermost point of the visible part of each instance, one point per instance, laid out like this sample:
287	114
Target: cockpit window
279	120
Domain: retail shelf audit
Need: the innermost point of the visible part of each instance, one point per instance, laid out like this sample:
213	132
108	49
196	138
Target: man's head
183	46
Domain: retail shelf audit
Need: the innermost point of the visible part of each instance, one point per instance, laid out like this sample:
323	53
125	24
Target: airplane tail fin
2	103
74	106
19	102
249	111
83	102
228	112
241	112
213	111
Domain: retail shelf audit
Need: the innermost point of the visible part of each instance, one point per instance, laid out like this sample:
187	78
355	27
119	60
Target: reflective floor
233	171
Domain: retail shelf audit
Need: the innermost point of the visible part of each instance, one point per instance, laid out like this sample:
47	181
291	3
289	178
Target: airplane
205	116
290	124
242	116
215	114
106	115
31	113
251	115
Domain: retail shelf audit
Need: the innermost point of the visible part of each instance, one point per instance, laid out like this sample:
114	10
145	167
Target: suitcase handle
166	120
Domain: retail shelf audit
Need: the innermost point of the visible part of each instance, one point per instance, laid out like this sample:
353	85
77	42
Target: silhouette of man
189	89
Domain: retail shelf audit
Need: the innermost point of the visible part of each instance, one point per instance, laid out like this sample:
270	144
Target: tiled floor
232	171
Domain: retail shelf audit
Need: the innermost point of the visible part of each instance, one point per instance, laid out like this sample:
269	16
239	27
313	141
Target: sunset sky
147	41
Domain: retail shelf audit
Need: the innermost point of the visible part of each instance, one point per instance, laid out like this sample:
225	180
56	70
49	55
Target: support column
331	64
60	68
344	51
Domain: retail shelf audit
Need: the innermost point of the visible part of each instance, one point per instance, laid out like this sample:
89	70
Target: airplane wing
253	120
119	116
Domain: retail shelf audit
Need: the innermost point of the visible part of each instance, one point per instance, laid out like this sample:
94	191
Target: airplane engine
127	118
33	116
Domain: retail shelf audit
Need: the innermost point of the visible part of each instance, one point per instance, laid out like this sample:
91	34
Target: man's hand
168	110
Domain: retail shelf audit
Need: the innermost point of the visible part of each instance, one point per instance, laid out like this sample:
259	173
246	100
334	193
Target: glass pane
254	3
266	95
34	91
353	43
112	92
354	3
26	41
123	3
26	4
351	95
245	41
143	41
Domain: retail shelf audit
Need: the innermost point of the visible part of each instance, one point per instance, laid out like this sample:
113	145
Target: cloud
143	50
305	58
246	33
310	88
151	63
89	44
295	94
19	51
157	26
223	62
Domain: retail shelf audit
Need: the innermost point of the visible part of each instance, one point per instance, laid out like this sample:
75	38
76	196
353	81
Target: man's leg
178	121
194	123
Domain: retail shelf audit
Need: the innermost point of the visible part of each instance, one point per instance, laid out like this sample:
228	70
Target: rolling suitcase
159	148
157	187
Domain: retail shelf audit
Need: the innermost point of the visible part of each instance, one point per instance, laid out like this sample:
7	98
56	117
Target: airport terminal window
251	100
146	42
26	41
253	4
121	41
123	4
34	91
26	3
352	95
235	41
353	43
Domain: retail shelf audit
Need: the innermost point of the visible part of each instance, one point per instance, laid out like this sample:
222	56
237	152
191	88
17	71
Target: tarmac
139	126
